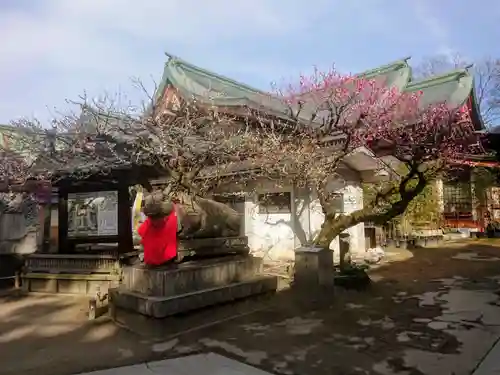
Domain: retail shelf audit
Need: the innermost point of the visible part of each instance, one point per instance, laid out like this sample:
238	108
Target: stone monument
214	264
206	227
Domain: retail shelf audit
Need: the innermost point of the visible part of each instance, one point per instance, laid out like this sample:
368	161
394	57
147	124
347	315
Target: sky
54	50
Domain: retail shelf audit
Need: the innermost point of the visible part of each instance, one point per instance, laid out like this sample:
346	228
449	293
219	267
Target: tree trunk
334	225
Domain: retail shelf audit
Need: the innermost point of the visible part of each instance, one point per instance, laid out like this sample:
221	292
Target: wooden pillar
63	222
125	242
41	227
44	199
45	218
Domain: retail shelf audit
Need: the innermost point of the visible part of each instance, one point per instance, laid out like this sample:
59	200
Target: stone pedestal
186	277
313	267
428	241
164	291
202	247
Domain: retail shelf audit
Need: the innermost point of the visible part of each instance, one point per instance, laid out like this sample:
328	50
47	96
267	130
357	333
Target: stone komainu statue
198	217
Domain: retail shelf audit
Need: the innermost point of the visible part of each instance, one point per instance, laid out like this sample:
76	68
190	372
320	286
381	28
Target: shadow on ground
434	313
44	334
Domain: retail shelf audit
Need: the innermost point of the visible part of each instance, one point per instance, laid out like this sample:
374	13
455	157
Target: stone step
162	307
188	277
160	329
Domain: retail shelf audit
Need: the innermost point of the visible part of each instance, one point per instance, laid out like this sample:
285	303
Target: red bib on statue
159	239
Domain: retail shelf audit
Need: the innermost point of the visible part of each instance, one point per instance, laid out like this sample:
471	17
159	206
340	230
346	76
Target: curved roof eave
453	88
175	65
398	73
477	118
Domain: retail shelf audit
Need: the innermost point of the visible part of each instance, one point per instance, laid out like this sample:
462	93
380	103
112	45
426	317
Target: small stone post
344	250
313	267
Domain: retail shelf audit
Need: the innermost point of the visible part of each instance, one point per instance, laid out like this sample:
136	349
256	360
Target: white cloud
84	33
435	26
116	39
56	48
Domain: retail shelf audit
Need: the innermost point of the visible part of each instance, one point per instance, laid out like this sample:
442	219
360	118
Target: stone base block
68	283
314	267
429	241
188	277
203	247
162	307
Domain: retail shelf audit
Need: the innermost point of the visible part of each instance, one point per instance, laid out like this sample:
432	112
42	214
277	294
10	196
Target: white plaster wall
269	235
302	213
353	200
275	236
316	219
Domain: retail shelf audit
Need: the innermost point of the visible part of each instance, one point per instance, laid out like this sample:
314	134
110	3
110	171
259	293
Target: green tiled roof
453	88
19	140
396	74
215	89
12	134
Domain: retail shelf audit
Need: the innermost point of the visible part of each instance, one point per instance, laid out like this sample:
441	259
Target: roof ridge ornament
171	56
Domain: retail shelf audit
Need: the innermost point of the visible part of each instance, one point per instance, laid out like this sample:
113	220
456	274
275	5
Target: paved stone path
490	365
452	342
437	313
430	316
203	364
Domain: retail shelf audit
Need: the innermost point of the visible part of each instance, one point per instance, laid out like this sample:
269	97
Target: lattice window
275	203
495	197
457	199
235	201
336	202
